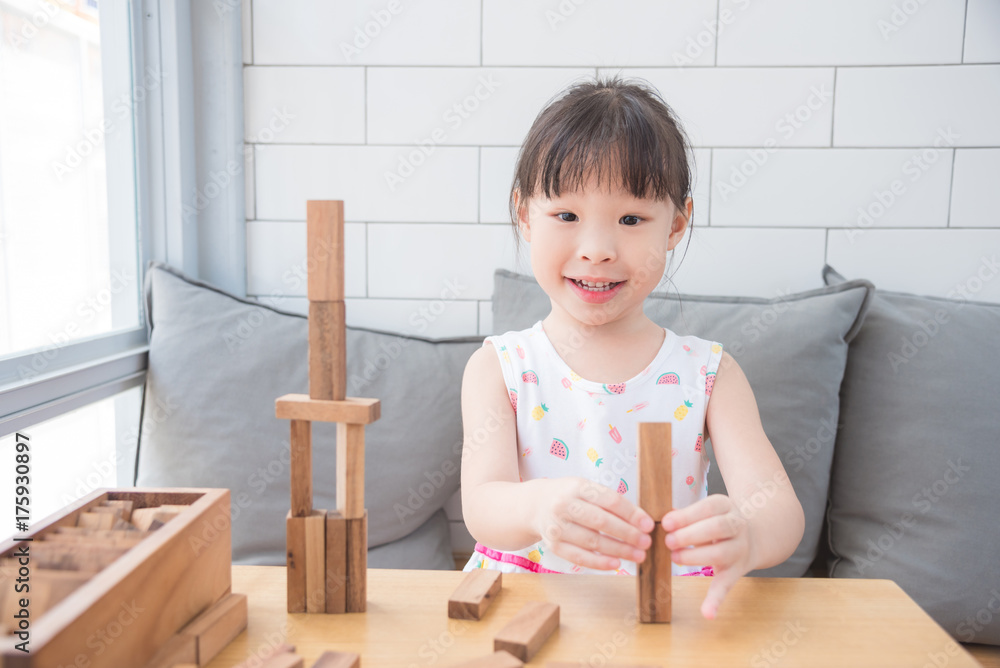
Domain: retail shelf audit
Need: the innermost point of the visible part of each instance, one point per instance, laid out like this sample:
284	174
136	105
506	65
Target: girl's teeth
594	287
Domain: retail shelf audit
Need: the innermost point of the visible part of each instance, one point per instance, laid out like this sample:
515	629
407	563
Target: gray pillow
216	365
793	350
915	494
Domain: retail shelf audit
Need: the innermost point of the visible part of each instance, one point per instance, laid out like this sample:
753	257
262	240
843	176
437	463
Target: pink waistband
518	560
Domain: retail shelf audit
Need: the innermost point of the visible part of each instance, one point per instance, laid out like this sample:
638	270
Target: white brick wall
862	133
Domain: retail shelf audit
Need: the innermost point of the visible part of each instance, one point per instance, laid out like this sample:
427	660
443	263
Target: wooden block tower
656	498
327	550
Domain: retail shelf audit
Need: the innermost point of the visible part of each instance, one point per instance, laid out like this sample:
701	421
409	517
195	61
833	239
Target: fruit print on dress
592	456
669	378
538	412
698	443
512	393
682	411
559	449
690	481
709	384
536	555
530	376
622	486
614	388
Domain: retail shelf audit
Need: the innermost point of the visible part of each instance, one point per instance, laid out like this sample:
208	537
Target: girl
601	193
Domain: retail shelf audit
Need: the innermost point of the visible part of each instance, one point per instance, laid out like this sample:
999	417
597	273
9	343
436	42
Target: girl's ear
679	224
522	216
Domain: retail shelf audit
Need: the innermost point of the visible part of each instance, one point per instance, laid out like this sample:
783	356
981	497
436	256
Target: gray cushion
427	548
216	365
915	496
793	350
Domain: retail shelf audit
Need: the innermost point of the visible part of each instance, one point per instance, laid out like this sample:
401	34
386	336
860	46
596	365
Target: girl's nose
597	246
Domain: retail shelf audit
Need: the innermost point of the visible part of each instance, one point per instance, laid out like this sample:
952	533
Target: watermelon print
622	486
669	378
615	388
512	393
559	449
709	384
530	376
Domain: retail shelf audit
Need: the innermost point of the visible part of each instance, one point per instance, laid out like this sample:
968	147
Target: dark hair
611	128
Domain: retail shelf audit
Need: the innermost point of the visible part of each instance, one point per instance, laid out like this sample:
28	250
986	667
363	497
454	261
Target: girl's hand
711	532
589	524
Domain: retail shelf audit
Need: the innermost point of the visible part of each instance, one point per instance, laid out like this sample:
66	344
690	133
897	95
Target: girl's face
583	240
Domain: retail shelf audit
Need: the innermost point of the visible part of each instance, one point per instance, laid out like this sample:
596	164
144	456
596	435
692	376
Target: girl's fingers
722	582
615	503
585	558
716	504
719	555
593	541
703	532
597	518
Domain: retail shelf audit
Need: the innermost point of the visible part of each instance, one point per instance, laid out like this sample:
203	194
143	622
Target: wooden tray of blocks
123	577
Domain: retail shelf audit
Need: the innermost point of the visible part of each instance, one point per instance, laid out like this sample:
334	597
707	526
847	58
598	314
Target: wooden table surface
763	622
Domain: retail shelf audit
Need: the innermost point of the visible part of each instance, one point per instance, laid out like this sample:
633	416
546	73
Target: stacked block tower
327	550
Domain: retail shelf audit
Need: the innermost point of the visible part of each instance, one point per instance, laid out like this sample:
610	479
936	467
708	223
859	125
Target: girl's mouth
595	293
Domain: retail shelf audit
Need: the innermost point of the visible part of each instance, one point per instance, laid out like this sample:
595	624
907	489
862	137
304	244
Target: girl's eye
630	220
567	213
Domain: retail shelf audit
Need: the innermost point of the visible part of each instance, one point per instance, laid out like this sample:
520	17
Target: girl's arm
760	523
584	522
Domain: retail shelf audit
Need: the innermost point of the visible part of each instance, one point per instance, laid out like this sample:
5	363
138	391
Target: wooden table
767	622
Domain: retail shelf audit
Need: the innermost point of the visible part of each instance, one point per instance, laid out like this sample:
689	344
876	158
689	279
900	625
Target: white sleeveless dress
571	426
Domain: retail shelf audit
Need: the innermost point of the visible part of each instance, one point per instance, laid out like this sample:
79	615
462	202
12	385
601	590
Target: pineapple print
536	555
538	412
682	411
592	456
506	355
575	376
716	348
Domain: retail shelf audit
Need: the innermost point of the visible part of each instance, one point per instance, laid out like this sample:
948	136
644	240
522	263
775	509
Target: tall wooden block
301	483
655	497
351	470
327	350
528	630
475	593
295	547
316	561
357	563
336	562
325	250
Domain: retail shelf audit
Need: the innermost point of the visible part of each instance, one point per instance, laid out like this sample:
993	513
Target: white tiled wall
861	133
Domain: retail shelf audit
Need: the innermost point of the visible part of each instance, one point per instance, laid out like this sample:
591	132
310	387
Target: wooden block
116	512
327	350
351	470
301	453
284	660
179	650
528	630
473	596
74	556
500	659
295	546
336	562
143	517
352	410
215	628
655	497
125	504
357	564
267	654
316	561
95	520
325	250
338	660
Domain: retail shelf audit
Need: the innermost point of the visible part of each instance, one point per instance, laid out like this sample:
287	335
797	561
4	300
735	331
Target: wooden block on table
283	660
500	659
528	630
215	628
301	468
357	564
351	410
351	470
295	548
338	660
473	596
655	497
336	562
266	654
179	650
325	250
95	520
316	561
327	350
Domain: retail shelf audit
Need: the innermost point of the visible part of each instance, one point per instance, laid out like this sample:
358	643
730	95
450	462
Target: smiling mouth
596	287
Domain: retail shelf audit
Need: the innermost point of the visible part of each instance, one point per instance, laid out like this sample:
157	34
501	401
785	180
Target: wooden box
121	613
